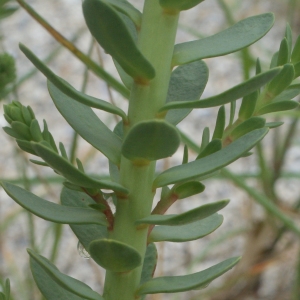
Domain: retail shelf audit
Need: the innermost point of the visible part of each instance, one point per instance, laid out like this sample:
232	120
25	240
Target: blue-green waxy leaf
187	82
150	140
247	126
112	34
43	269
211	163
278	106
67	170
248	106
205	139
230	95
175	284
187	232
68	90
178	5
281	81
127	9
211	147
85	233
274	124
236	37
220	124
85	122
51	211
149	264
296	51
188	189
283	54
190	216
114	256
288	94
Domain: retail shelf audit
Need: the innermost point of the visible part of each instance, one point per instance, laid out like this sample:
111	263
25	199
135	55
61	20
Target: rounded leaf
150	140
179	4
110	31
114	256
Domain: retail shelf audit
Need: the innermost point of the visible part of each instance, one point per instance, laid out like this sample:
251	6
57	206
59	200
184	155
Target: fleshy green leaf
68	90
274	124
179	4
114	256
297	69
281	81
212	147
85	122
247	126
174	284
67	170
237	37
289	38
230	95
149	264
85	233
150	140
187	82
211	163
278	106
65	282
296	51
220	124
51	211
48	287
283	54
127	9
248	106
291	92
188	189
112	34
190	216
187	232
205	138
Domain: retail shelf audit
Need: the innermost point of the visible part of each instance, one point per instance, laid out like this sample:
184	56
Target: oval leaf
230	95
51	211
187	232
179	4
188	189
48	287
247	126
127	9
111	33
288	94
67	170
236	37
114	256
85	122
212	162
150	140
278	106
187	82
85	233
210	148
66	282
281	81
190	216
68	90
149	264
174	284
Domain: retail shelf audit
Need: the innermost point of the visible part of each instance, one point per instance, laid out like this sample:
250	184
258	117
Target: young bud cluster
25	127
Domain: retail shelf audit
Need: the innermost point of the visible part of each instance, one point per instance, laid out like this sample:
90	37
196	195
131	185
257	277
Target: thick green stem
156	42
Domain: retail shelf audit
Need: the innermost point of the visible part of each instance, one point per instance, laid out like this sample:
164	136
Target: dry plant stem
146	98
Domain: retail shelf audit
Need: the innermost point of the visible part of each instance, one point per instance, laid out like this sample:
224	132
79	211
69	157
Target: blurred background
270	267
